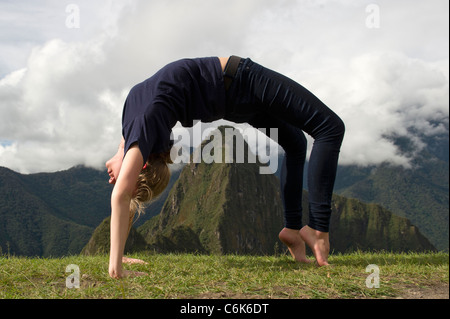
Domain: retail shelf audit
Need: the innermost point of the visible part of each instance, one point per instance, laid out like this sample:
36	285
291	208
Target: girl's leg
259	90
294	104
288	101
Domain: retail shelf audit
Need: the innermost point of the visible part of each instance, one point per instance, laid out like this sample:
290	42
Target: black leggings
267	99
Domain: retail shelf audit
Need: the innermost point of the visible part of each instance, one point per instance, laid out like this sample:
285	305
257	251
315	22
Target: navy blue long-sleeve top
184	91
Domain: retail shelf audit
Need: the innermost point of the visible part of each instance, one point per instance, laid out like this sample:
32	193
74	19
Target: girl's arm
120	208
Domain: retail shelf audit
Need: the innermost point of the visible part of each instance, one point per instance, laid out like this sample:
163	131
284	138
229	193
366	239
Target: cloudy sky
67	66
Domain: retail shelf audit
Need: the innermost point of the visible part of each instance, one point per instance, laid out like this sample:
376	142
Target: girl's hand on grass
121	273
130	273
131	261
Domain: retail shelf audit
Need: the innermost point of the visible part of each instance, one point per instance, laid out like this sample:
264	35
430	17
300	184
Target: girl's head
152	181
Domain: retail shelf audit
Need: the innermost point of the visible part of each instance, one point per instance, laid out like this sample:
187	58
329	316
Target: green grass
211	276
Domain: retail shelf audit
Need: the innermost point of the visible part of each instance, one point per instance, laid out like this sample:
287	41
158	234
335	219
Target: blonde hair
151	182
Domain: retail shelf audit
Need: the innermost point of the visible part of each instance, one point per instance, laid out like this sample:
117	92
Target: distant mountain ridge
420	193
50	214
55	214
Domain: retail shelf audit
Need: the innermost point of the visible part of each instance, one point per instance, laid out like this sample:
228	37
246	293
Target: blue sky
62	87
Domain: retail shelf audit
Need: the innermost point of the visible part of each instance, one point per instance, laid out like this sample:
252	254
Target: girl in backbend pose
238	90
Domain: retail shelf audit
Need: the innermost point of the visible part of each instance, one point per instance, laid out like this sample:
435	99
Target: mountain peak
229	206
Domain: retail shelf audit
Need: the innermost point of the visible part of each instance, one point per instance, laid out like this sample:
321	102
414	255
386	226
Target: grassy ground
202	276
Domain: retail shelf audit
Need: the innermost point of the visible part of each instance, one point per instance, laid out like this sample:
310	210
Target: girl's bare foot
292	239
319	242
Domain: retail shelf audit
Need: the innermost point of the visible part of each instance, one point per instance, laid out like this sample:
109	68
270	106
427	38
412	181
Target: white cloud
385	95
61	106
